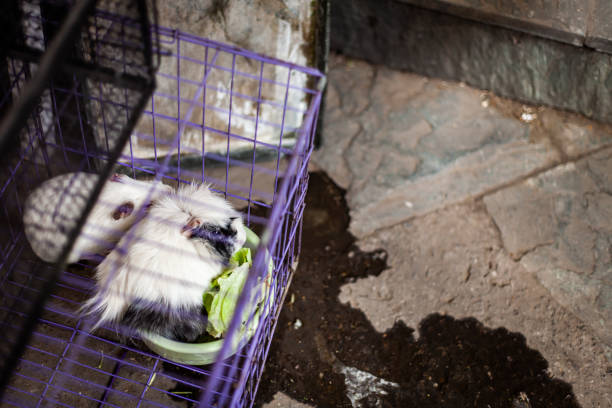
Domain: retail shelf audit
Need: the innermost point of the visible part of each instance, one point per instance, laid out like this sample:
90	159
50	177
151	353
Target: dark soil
454	363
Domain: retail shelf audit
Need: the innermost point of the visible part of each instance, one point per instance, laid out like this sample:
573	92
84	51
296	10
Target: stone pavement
559	226
404	145
487	208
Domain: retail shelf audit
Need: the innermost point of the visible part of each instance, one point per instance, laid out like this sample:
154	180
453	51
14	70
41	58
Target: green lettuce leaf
223	302
221	298
241	256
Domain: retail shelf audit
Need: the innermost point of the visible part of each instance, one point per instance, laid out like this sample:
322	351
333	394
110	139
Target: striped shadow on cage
217	161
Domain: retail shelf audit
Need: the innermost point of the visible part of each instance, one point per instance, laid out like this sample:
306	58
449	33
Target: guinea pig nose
116	177
187	229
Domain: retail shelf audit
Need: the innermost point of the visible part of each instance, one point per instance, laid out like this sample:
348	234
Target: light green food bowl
207	353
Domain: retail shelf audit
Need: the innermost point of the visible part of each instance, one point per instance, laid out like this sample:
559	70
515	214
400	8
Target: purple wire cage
239	122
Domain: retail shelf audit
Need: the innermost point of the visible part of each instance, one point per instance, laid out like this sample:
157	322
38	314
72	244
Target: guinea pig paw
192	224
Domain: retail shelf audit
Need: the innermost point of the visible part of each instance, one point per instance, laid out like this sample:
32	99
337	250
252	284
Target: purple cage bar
65	364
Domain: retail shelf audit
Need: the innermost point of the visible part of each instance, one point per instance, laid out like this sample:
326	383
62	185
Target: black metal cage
75	76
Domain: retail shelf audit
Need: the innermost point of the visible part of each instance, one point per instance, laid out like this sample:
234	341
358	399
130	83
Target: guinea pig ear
193	223
124	210
116	177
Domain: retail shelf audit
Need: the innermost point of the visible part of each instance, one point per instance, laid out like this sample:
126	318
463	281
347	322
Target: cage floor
64	365
100	371
55	370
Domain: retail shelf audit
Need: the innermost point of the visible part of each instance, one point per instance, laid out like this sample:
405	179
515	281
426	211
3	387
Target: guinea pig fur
52	210
154	279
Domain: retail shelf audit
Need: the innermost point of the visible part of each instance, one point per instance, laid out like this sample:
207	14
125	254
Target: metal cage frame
67	365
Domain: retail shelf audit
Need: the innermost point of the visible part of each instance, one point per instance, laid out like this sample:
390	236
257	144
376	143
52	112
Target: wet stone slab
559	225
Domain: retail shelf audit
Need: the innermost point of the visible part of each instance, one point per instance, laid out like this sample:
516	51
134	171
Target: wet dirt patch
326	353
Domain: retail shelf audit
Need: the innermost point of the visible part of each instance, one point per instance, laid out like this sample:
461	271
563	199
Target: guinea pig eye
124	210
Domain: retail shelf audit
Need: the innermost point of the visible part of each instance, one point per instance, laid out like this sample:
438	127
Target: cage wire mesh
220	121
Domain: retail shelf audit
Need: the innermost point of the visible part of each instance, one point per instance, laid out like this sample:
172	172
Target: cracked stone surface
559	224
486	207
404	145
453	261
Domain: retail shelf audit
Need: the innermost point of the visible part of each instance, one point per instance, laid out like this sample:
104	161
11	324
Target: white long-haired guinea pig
155	277
52	210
